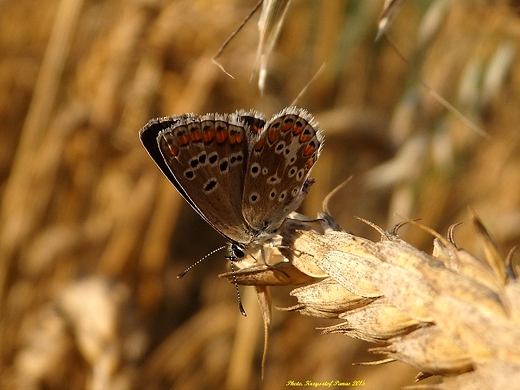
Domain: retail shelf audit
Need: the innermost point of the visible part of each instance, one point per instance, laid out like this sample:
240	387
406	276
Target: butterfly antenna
240	306
199	261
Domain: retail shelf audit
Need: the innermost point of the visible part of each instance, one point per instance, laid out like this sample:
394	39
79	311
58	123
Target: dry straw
92	236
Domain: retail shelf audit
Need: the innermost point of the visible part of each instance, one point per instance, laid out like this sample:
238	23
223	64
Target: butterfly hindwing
278	168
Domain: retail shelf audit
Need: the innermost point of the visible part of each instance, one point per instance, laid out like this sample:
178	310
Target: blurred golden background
92	235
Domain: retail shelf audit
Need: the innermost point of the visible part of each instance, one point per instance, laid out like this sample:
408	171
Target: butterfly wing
280	160
148	136
204	158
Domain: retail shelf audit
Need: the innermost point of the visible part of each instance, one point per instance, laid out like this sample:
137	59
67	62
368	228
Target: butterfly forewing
206	156
148	135
279	164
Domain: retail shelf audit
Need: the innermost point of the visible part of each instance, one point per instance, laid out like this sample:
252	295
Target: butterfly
241	173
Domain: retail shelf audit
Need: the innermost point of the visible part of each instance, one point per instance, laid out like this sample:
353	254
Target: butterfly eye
238	251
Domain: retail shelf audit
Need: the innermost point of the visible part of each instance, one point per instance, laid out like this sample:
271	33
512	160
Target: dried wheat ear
449	313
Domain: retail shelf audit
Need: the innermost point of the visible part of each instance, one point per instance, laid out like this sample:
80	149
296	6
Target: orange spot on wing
286	127
259	145
272	135
255	129
297	129
304	138
221	135
183	140
309	163
195	136
172	150
308	150
208	134
236	138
